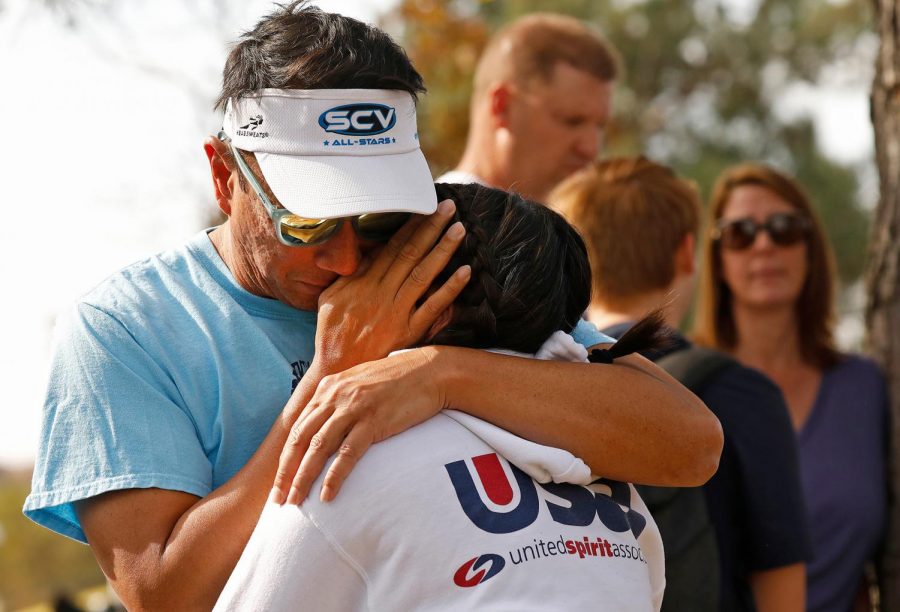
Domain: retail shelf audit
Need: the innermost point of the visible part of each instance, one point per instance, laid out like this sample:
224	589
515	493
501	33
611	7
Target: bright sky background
102	161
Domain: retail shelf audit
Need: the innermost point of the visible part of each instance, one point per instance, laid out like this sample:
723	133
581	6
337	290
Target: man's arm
170	550
629	421
167	550
782	589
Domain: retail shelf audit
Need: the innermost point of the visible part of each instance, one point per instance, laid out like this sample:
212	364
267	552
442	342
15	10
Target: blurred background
105	104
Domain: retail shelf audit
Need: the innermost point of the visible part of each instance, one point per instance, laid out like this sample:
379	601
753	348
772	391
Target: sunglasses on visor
294	230
785	229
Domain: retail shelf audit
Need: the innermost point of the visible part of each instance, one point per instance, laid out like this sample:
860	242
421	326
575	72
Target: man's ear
220	168
440	323
499	99
685	259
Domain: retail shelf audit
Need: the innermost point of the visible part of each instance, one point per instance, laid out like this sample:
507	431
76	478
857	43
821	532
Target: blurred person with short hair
541	100
640	222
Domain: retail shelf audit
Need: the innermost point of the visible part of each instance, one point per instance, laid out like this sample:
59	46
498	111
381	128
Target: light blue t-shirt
167	375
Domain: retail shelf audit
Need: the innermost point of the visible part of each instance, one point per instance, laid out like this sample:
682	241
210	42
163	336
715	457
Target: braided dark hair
530	271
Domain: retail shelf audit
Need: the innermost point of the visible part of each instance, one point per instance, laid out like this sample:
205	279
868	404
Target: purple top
842	448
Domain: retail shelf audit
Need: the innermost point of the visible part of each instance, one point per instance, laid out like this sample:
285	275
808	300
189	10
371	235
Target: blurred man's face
554	128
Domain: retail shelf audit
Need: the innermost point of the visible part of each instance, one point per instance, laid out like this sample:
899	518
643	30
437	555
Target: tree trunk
883	273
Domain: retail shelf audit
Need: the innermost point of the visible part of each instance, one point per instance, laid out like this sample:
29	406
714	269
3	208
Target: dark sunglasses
785	229
294	230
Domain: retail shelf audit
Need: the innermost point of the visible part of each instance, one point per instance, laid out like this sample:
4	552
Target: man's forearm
161	551
628	421
211	536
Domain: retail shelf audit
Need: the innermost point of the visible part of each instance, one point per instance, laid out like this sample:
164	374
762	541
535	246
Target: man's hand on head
348	413
367	315
362	318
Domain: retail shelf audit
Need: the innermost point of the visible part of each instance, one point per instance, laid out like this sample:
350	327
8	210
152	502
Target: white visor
329	153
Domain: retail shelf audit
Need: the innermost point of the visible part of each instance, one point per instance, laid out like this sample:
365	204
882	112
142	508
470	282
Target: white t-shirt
435	519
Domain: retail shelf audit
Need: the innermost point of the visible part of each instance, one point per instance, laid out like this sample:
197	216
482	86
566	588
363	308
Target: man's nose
342	253
588	145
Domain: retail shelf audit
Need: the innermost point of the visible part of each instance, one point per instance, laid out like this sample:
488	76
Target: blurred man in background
541	100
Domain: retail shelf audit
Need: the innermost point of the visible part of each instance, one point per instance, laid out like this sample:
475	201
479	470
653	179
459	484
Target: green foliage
445	43
700	82
36	564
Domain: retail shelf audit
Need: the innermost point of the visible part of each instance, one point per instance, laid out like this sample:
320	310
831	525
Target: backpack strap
696	367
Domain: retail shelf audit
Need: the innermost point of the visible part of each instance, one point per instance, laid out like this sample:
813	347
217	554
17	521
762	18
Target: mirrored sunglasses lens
298	230
380	226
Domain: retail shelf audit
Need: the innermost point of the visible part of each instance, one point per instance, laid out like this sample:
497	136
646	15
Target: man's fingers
421	277
439	301
322	445
388	254
418	245
354	446
292	453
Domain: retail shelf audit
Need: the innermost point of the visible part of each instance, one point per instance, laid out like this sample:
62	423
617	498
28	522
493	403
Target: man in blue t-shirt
184	385
640	222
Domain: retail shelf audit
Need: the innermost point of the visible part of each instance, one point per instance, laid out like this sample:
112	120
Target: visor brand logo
362	119
249	129
254	123
471	573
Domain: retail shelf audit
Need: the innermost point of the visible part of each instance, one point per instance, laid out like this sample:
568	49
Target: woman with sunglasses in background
767	298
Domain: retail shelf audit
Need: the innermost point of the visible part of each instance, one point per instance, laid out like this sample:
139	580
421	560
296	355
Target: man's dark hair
299	46
530	271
